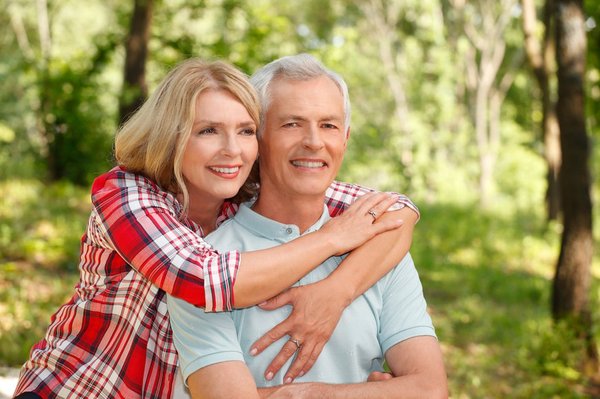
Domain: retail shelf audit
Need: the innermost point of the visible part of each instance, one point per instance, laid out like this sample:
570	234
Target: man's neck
300	211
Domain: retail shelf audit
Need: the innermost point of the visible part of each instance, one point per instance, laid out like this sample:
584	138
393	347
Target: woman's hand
356	225
317	309
376	376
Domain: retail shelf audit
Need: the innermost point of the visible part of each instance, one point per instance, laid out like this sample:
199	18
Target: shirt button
289	230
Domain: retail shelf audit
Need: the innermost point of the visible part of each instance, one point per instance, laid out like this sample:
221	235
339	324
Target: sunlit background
446	109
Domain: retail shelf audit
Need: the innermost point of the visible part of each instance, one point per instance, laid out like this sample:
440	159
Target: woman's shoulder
120	179
121	185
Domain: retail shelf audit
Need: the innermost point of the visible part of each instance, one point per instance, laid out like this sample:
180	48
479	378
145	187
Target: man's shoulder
399	278
224	231
405	265
235	233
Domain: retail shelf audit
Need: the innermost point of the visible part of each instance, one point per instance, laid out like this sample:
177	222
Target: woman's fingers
379	202
304	360
274	334
356	225
379	208
379	376
288	350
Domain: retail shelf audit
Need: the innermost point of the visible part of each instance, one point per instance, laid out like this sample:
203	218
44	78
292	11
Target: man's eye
291	124
329	126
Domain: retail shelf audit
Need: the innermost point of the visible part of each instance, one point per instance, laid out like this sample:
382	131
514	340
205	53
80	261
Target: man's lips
310	164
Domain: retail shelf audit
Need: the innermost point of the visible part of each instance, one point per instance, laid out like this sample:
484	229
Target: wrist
341	290
331	245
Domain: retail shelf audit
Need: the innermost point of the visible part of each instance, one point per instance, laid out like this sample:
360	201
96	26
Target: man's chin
312	189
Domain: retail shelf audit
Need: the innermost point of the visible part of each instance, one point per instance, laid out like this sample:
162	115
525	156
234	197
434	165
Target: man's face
303	141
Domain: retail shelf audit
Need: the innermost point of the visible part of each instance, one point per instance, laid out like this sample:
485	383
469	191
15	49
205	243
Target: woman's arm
262	276
381	253
139	221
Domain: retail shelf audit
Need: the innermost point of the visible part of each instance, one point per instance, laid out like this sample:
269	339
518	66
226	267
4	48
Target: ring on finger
296	342
372	213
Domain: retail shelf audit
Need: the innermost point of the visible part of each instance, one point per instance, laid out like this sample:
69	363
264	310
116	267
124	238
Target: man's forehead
303	84
320	91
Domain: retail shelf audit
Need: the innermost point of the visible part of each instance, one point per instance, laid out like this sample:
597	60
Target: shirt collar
272	229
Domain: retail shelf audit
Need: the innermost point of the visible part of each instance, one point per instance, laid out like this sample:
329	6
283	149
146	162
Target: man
302	142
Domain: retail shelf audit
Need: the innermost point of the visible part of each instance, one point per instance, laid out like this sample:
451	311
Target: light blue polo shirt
391	311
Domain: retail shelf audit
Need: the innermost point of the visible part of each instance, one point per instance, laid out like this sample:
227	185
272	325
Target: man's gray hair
296	67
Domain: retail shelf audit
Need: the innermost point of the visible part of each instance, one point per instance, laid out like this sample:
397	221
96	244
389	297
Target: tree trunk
483	64
541	63
550	120
383	18
45	123
135	89
573	271
486	165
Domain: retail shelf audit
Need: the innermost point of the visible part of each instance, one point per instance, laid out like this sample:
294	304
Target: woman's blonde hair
153	140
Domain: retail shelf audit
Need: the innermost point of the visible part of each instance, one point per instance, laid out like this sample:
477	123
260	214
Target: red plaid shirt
113	339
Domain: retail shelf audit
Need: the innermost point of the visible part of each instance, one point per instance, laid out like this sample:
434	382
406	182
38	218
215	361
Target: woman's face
221	148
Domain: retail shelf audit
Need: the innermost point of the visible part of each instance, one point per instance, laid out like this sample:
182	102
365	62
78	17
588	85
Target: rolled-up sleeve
141	223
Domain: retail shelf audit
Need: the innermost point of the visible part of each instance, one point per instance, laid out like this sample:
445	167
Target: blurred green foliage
41	224
40	229
487	279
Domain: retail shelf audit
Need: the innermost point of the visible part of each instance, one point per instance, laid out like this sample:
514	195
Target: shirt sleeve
340	195
141	223
404	313
201	338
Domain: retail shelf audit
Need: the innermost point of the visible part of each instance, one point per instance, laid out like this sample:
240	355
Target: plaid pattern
113	339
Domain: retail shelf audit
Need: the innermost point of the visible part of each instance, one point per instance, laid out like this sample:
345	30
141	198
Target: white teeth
309	164
226	170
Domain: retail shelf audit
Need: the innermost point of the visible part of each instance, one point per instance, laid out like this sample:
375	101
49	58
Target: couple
182	160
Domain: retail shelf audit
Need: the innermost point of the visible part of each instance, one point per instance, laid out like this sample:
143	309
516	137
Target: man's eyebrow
302	118
292	117
332	118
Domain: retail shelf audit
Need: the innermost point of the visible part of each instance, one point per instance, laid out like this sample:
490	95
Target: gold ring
372	213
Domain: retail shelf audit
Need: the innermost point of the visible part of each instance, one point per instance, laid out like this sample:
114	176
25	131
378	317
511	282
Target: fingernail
253	351
269	376
301	374
288	380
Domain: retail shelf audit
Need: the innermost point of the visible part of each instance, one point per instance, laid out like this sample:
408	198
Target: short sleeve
404	313
201	338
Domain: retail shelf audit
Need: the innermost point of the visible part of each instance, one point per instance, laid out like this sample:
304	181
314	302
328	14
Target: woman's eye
248	132
208	130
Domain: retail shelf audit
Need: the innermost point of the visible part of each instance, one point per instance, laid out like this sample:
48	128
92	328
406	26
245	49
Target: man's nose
312	138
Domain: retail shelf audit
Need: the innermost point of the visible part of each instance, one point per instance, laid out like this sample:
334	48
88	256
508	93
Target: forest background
454	104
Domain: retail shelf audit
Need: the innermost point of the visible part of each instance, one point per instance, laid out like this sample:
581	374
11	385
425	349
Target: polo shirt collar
272	229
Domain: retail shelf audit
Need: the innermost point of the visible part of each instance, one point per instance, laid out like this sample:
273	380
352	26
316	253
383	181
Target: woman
190	147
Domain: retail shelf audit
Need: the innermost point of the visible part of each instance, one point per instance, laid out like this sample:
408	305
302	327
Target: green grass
40	229
487	279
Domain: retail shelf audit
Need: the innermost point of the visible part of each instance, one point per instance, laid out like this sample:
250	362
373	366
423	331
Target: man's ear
347	135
